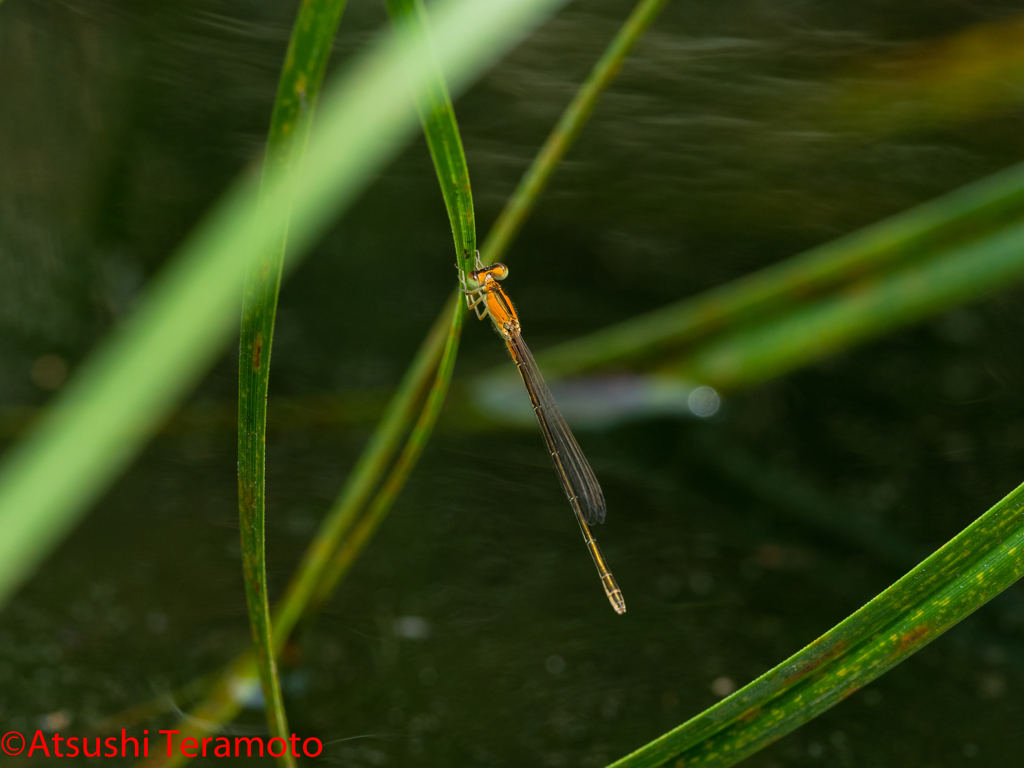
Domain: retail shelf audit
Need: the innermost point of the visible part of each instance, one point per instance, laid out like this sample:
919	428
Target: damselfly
486	297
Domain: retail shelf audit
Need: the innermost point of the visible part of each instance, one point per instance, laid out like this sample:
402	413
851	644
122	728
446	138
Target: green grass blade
865	310
297	95
565	133
127	388
958	217
970	570
745	356
385	498
364	478
437	115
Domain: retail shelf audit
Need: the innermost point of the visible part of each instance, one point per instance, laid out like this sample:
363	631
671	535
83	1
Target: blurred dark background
473	630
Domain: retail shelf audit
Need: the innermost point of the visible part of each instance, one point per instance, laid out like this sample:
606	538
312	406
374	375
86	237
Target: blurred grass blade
961	216
371	467
970	570
437	116
864	310
385	498
966	76
565	133
297	94
750	354
106	413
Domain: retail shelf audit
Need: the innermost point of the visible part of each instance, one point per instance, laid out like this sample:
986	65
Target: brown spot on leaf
911	639
257	349
808	669
750	714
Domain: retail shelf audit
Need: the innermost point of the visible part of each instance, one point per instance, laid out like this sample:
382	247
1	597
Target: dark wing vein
578	480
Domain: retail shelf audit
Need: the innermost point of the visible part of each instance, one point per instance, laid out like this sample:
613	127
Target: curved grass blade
332	537
103	417
959	217
385	498
566	131
735	358
437	115
982	561
297	94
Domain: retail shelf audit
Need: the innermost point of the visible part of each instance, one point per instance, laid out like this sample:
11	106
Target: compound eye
494	272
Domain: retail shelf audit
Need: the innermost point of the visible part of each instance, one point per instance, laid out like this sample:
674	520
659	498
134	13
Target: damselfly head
496	271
